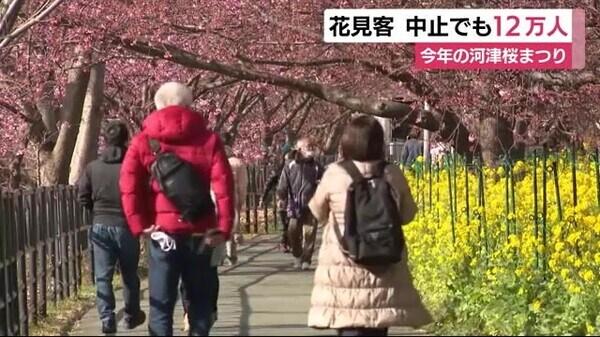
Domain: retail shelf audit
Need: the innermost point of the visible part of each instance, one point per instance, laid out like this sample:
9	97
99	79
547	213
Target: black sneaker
109	326
133	322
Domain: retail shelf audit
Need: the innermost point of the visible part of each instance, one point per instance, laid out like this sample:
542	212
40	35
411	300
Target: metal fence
43	239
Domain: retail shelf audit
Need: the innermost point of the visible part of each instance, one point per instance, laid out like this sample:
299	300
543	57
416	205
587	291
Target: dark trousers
186	302
285	221
190	263
112	244
363	332
302	233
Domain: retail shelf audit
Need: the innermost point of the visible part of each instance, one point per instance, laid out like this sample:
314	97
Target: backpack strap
352	170
339	235
154	145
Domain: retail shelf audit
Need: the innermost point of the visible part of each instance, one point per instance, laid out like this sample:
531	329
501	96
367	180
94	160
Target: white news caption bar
451	25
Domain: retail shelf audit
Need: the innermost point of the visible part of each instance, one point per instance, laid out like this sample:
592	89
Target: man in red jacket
178	248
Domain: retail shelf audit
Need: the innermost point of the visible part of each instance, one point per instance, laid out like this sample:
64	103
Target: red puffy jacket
185	133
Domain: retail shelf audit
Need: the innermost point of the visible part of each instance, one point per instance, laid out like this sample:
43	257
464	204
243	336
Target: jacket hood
174	124
113	154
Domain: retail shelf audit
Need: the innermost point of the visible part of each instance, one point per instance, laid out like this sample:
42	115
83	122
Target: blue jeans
190	263
114	244
186	303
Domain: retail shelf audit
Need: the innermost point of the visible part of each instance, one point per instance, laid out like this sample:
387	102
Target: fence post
44	236
4	328
467	210
557	188
450	195
544	208
482	214
506	166
535	217
20	262
32	226
574	172
437	193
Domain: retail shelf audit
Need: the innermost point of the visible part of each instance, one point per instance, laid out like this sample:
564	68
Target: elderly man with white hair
181	245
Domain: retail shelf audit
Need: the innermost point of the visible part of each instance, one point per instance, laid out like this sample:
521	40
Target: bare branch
292	64
33	21
306	99
304	116
383	108
270	112
572	79
8	18
232	130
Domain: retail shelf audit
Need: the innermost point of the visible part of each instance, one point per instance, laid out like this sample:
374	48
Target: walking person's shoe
109	325
186	323
305	266
283	248
133	322
298	263
231	261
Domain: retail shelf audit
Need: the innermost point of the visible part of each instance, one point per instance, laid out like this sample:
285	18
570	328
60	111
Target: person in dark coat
270	185
112	241
297	184
411	150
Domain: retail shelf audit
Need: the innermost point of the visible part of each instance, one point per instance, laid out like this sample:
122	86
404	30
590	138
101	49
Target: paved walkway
261	296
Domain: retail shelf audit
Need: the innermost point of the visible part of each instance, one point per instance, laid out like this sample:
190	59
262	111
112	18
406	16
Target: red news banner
469	38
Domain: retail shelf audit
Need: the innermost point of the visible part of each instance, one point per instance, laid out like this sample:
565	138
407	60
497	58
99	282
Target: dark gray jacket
98	187
412	149
299	178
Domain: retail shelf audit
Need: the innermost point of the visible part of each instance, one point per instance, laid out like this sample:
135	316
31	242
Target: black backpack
180	183
372	234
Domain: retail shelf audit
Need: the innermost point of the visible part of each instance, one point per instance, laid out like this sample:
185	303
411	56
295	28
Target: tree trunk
86	147
55	169
519	147
386	124
332	141
496	139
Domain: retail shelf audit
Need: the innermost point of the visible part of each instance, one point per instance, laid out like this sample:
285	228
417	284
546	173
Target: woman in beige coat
240	178
346	296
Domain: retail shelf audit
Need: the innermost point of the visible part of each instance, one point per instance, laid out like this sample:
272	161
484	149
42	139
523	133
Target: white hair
173	93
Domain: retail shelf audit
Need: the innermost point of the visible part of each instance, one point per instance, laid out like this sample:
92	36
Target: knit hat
116	133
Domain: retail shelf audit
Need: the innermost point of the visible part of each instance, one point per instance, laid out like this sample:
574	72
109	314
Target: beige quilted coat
346	295
240	178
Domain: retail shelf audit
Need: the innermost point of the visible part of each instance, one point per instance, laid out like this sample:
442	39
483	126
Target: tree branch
33	21
8	18
303	116
376	107
290	116
268	113
572	79
232	130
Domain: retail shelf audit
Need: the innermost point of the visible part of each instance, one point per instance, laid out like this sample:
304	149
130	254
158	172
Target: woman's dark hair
116	133
363	140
